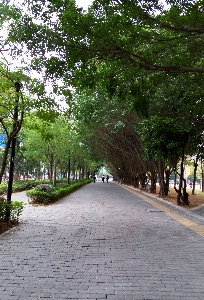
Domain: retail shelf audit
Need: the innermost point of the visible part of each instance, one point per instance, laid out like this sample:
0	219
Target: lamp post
13	146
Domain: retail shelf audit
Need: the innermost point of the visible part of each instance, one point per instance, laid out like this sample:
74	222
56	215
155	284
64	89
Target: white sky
83	3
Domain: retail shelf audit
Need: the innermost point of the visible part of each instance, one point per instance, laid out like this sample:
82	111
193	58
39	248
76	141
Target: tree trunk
136	182
175	178
179	195
182	199
7	147
161	178
185	194
194	174
55	174
153	181
143	179
4	161
180	181
166	185
202	176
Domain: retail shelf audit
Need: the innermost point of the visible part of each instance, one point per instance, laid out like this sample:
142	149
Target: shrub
3	188
20	185
48	188
2	199
46	194
23	185
15	208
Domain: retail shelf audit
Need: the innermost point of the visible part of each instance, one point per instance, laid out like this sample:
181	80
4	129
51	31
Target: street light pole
13	146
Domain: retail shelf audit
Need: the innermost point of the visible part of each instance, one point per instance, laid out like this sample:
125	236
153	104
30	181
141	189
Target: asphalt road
104	241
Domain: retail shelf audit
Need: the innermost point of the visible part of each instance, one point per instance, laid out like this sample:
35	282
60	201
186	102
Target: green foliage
3	188
20	185
15	207
132	63
161	138
46	195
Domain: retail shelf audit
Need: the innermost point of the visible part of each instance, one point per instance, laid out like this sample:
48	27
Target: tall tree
136	52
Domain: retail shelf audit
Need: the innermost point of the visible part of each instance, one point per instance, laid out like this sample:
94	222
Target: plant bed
194	200
20	185
15	208
45	194
5	226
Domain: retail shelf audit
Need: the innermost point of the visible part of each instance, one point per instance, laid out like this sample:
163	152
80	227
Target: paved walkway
104	241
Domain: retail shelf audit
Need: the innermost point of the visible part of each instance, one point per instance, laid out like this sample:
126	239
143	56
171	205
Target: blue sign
2	140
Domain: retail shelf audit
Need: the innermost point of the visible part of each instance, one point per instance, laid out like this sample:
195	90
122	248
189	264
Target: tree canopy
132	74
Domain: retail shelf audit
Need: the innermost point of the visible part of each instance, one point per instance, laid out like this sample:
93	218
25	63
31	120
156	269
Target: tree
145	36
175	128
147	61
109	129
53	143
12	108
46	140
15	104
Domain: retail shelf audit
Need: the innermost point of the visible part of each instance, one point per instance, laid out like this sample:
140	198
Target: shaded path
103	242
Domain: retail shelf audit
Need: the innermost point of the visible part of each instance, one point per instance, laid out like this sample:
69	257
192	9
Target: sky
80	3
83	3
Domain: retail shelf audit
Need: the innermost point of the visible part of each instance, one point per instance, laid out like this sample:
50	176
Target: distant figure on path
107	177
103	178
94	178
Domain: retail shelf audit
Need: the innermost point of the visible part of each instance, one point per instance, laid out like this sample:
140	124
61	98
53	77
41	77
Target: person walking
107	177
103	178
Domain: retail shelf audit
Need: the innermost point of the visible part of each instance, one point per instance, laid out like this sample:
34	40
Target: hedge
15	208
47	193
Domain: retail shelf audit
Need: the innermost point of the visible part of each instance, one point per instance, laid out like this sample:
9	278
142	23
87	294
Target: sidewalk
104	242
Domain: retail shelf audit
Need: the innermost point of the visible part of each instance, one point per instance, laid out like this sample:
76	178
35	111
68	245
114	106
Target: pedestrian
94	178
103	178
107	177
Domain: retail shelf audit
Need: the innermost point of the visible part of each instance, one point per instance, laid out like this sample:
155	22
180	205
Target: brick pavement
104	242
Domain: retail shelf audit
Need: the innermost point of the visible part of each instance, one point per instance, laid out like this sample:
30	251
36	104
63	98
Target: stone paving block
103	242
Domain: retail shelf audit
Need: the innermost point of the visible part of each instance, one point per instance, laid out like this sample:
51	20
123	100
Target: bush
46	194
42	193
48	188
20	185
24	185
3	188
15	208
